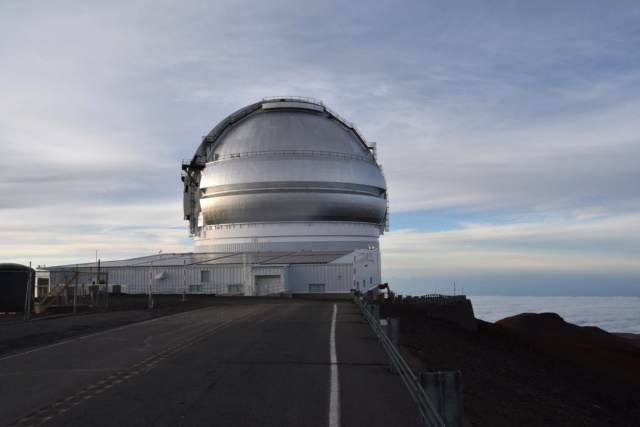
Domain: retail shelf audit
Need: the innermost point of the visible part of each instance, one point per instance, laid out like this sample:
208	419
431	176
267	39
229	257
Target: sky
613	314
508	131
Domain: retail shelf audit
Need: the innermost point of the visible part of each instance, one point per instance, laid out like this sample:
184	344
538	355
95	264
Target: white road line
334	400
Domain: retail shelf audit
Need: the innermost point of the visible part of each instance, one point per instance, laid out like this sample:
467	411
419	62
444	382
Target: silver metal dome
284	160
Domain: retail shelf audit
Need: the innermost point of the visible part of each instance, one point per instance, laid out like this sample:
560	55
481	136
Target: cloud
116	231
514	125
613	314
552	243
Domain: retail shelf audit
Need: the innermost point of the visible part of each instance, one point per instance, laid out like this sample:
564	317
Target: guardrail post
374	310
391	327
444	389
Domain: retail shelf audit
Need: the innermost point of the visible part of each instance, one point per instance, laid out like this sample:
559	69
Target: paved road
257	365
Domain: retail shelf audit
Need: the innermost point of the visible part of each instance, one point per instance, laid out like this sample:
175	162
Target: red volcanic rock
554	328
588	346
553	324
517	378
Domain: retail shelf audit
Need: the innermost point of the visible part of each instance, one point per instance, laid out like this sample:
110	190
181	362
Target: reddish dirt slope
515	378
588	346
553	324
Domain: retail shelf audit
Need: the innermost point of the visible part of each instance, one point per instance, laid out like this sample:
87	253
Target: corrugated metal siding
308	257
136	279
285	278
296	277
267	271
335	277
250	258
368	270
284	246
178	260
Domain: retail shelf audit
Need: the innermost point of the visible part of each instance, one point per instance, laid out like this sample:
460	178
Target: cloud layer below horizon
613	314
508	132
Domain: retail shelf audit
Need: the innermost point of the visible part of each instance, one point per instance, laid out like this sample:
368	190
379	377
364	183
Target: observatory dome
284	174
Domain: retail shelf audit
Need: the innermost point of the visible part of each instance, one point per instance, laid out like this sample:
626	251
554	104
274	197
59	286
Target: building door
266	285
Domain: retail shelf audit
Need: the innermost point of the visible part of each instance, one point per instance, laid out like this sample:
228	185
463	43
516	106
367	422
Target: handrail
433	299
426	408
235	156
293	98
347	123
215	133
328	110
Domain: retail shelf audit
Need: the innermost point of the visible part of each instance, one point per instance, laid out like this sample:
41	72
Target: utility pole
150	303
184	280
28	296
75	293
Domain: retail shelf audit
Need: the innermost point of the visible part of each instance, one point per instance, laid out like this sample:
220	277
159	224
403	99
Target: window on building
237	289
316	287
371	280
205	276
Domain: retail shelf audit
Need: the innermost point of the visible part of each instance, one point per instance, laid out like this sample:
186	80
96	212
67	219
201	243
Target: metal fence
70	291
270	153
189	288
431	299
428	412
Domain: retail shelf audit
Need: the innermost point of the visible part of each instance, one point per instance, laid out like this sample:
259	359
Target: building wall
217	279
368	270
163	280
199	279
290	236
283	246
336	278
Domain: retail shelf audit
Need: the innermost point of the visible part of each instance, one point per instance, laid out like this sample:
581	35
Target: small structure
242	273
16	287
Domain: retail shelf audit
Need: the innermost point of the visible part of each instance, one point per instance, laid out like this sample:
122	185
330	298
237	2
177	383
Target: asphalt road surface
245	365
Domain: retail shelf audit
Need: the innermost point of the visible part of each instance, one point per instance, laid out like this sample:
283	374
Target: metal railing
217	131
328	110
293	98
436	299
191	288
427	411
347	123
234	156
275	288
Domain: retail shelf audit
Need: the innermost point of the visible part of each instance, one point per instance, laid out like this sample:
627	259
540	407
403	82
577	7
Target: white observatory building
283	195
284	174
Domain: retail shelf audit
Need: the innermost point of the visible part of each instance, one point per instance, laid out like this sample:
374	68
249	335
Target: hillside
516	377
